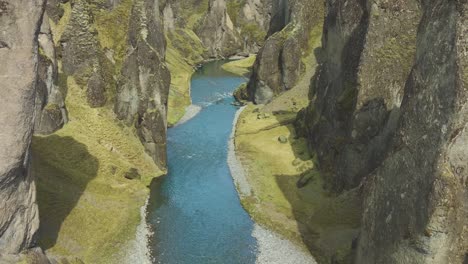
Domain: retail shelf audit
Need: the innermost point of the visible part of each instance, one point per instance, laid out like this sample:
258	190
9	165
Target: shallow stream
194	212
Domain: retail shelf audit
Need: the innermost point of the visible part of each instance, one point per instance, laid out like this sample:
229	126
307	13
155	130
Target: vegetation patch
59	27
179	91
241	93
88	209
233	9
112	27
288	194
253	32
184	51
240	67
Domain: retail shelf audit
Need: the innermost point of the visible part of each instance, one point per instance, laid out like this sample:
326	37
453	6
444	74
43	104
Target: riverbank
286	192
272	247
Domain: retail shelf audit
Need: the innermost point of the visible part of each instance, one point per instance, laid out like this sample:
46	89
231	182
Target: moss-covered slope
88	208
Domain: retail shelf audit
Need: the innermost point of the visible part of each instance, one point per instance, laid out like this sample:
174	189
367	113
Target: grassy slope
184	51
308	216
88	208
240	67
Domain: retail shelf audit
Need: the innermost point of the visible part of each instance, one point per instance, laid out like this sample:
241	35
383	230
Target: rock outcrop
417	199
92	74
368	51
223	28
122	66
388	117
51	113
20	23
279	63
143	88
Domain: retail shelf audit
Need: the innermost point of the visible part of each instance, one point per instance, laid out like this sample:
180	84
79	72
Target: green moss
52	107
59	28
87	207
233	9
112	27
253	32
240	67
179	92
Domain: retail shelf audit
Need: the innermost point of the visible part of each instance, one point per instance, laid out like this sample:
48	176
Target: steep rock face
51	113
417	200
230	27
19	26
388	113
119	65
80	53
368	50
279	65
143	89
217	30
223	27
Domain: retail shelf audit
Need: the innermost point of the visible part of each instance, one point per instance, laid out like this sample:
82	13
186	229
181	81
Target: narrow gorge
234	131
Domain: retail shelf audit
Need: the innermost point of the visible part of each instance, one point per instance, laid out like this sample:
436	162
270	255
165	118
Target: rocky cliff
388	116
20	23
94	88
280	63
417	199
105	58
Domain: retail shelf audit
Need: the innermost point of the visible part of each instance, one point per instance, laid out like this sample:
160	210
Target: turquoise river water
194	212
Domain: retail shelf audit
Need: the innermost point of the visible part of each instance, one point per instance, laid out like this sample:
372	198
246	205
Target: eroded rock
19	23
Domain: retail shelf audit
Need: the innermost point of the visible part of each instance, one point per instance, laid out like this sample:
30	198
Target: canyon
354	136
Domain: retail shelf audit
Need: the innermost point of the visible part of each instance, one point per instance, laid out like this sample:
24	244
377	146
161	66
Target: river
194	212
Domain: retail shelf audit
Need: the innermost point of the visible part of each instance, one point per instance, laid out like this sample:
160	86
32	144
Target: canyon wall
280	62
89	79
416	201
388	118
20	23
119	64
224	28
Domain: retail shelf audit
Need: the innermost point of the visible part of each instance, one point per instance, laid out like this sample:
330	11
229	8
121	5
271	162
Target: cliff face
230	27
51	113
142	91
279	64
19	23
223	27
368	51
118	65
416	201
388	113
89	79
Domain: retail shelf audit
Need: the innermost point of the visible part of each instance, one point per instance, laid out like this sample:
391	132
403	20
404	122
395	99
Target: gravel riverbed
272	248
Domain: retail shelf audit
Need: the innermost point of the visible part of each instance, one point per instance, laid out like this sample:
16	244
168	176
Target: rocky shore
272	247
